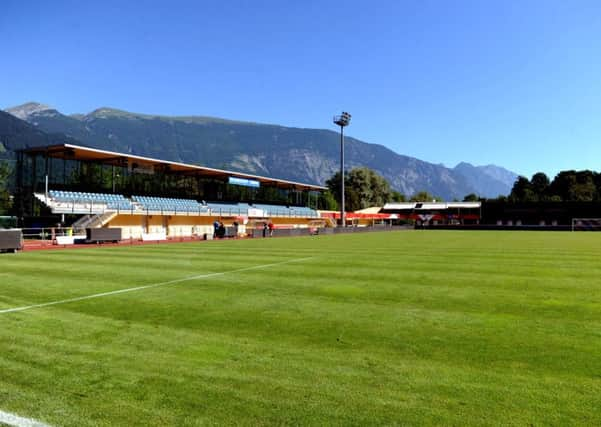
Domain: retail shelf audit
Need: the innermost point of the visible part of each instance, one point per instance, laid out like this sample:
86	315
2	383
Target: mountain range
298	154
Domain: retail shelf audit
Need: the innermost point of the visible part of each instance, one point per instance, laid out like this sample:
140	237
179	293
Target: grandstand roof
77	152
431	205
370	210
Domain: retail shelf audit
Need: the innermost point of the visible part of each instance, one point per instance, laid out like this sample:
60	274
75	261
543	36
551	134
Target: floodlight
342	120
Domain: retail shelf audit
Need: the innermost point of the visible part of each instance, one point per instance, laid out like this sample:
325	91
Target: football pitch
409	327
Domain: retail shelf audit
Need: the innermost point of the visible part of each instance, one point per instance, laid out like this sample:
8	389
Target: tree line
567	186
365	188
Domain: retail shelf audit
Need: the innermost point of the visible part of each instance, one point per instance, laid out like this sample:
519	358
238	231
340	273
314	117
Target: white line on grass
153	285
16	421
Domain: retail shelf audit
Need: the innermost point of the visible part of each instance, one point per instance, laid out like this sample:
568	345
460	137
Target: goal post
586	224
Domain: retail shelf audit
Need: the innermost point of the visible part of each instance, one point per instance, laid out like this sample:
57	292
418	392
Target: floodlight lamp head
342	120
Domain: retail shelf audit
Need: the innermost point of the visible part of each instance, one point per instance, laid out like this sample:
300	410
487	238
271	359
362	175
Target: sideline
16	421
153	285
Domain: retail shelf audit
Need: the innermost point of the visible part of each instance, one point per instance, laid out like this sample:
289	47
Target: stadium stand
86	188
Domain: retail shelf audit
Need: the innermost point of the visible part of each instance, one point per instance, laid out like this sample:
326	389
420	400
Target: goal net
586	224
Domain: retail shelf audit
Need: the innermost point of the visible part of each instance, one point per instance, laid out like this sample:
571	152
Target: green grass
412	328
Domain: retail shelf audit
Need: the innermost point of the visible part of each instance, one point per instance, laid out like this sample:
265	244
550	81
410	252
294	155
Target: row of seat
112	201
167	203
76	195
151	203
224	208
277	210
268	210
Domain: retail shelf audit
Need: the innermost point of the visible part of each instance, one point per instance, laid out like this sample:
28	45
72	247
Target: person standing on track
215	228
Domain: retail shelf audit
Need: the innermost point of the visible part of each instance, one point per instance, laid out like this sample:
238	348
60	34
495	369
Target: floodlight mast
342	120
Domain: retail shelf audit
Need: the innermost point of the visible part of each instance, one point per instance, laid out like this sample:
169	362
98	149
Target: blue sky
514	83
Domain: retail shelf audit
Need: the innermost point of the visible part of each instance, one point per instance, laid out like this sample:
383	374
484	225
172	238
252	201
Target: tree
472	197
575	186
327	201
597	180
424	196
522	191
562	184
584	190
363	188
397	197
5	172
539	184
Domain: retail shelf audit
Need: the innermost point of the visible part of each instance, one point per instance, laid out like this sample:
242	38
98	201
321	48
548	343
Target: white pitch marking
153	285
16	421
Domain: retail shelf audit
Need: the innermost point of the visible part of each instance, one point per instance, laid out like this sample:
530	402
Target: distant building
436	213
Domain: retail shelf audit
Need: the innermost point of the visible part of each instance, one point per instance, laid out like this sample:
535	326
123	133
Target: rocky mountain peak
28	109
